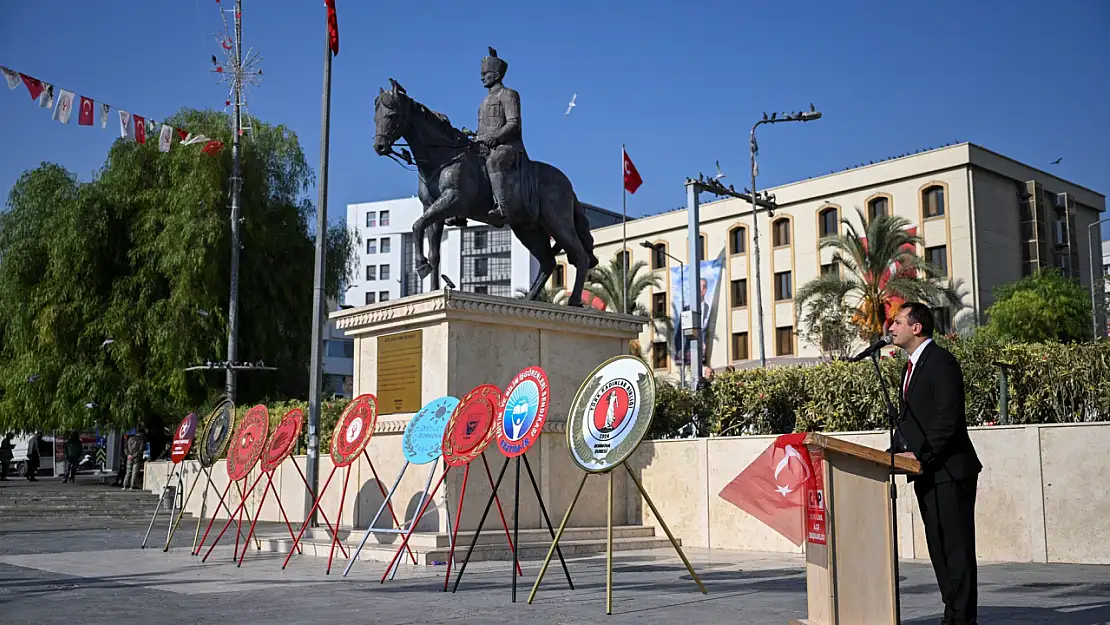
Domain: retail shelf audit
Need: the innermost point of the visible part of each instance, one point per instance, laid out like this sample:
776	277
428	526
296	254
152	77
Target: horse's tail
582	227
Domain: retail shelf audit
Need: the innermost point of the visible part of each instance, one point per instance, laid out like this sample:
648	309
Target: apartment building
985	219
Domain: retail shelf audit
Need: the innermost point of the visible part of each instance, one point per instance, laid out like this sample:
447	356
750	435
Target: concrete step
430	547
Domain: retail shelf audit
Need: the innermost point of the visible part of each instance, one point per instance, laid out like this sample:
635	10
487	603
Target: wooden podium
849	539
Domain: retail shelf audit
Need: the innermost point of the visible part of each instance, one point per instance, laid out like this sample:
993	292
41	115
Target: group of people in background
73	451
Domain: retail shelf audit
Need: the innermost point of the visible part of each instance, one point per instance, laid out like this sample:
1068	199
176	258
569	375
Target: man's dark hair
916	312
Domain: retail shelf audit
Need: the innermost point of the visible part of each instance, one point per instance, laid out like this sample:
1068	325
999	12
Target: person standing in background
72	451
7	452
135	446
33	458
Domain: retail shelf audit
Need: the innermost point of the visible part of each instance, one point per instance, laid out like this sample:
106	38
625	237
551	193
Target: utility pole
315	376
803	116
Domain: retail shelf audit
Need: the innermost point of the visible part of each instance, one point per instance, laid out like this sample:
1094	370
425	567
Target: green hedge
1048	383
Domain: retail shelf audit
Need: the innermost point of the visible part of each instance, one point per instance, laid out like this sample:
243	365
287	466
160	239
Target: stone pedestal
467	340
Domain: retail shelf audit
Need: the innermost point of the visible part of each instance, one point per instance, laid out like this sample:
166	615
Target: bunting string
131	126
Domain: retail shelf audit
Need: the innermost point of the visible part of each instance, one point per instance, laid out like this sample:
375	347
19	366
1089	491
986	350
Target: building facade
477	258
985	220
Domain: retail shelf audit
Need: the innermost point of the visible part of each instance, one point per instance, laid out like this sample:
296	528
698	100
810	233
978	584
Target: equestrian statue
485	176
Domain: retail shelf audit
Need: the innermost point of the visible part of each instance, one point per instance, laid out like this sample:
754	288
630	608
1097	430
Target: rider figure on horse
502	145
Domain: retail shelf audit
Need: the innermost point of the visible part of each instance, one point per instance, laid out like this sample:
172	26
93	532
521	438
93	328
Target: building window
371	219
626	258
878	207
383	296
369	298
658	305
739	293
784	288
938	257
740	346
479	239
780	232
481	289
738	241
659	355
383	218
830	269
942	317
828	222
481	267
559	278
383	272
371	246
341	349
701	247
386	245
659	256
371	272
784	341
933	199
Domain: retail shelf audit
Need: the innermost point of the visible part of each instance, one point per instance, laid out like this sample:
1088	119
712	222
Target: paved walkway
93	571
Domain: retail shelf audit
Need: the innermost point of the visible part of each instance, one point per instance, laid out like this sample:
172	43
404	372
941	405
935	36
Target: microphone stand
892	416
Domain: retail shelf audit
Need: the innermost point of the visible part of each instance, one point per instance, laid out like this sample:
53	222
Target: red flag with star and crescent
632	179
333	28
85	117
773	487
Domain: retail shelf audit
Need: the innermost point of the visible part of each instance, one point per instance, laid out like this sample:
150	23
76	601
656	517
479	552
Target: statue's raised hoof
424	270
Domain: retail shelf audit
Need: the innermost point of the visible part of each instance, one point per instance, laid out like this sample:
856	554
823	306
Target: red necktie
909	370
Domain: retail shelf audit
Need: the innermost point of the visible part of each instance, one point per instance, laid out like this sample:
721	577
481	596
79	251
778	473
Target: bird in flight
107	342
1057	161
720	174
571	105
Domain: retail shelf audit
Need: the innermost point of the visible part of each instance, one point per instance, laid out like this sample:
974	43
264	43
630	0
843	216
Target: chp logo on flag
611	413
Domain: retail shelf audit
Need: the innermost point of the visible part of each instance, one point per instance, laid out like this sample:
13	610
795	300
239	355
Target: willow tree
110	288
880	271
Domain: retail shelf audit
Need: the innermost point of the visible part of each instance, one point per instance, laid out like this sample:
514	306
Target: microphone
876	346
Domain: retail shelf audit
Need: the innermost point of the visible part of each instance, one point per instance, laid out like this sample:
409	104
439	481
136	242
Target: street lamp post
803	116
682	272
1095	266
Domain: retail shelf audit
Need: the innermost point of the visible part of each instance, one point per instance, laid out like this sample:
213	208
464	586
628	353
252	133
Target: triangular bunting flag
10	76
34	86
104	115
64	109
140	129
165	138
124	122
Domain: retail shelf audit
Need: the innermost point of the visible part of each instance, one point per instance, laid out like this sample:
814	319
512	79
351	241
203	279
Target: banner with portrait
681	299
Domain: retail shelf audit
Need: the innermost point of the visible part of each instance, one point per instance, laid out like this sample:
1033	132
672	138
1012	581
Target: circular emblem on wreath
611	413
471	426
522	412
248	443
283	439
423	439
216	433
352	433
183	438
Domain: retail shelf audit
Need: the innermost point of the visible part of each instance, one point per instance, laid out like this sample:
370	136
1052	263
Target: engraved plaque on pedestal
400	363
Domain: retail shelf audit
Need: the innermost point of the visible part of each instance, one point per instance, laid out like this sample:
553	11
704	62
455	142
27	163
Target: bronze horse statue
454	185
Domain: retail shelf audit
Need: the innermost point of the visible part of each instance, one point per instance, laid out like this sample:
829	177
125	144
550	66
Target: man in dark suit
933	429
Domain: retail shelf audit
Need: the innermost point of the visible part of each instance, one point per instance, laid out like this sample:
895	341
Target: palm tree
546	294
880	271
606	283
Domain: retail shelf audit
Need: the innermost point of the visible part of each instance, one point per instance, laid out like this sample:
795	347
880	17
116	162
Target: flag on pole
85	116
632	179
11	76
104	115
333	27
165	138
47	99
64	110
773	487
140	129
124	122
34	86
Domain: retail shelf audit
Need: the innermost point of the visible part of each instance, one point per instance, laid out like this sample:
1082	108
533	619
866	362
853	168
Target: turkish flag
632	180
33	86
85	117
212	148
140	128
333	28
772	488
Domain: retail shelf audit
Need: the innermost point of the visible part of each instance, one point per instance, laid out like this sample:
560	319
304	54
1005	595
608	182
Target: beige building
985	218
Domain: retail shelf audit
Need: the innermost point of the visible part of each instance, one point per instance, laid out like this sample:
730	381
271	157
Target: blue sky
679	83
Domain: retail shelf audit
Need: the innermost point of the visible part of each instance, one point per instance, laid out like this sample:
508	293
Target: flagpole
233	300
624	233
315	369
